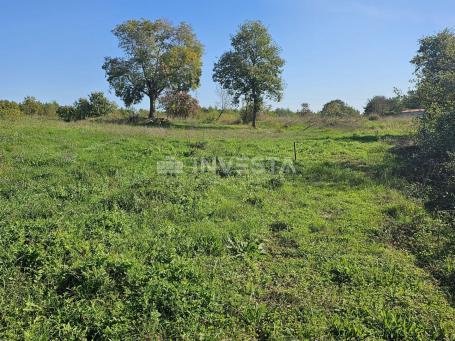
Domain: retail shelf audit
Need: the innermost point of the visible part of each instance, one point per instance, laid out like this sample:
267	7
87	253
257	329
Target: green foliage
159	57
381	105
179	104
305	110
100	247
253	68
432	160
431	240
95	106
68	113
99	105
284	112
248	113
31	106
338	108
435	71
9	110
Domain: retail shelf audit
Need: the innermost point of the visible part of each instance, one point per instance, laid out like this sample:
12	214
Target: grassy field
96	244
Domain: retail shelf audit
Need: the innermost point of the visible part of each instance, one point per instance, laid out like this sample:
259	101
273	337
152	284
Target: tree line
163	63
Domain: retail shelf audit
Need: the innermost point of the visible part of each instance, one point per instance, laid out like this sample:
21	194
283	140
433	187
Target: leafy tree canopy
338	108
158	57
253	68
435	71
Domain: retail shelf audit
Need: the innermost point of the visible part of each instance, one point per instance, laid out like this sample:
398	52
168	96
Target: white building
413	112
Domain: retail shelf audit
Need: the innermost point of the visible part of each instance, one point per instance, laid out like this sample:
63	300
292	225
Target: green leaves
96	105
435	71
158	57
253	68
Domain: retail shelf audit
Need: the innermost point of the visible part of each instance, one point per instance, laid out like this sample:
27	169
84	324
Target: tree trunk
152	107
255	111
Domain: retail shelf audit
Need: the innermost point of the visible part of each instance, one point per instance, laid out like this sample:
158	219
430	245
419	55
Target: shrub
31	106
431	160
304	110
96	105
99	105
67	113
338	108
284	112
9	109
179	104
373	117
247	112
436	154
381	105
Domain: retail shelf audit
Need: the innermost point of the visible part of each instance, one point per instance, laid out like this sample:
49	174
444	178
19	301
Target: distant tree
435	71
338	108
252	69
9	109
96	105
99	105
284	112
381	105
377	105
68	113
31	106
411	100
225	99
304	109
158	57
179	104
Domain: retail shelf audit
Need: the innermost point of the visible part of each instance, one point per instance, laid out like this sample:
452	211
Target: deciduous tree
158	57
253	68
435	71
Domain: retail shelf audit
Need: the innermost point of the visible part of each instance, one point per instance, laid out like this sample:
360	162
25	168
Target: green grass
95	244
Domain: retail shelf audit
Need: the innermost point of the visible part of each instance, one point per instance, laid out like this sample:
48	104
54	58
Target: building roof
412	111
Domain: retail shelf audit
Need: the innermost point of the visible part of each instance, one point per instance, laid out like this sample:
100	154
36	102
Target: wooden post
295	153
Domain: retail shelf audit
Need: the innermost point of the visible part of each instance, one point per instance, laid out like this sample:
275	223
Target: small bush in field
9	109
68	113
436	156
338	108
99	105
96	105
31	106
247	113
180	104
374	117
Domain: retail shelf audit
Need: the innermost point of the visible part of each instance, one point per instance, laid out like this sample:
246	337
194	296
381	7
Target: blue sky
347	49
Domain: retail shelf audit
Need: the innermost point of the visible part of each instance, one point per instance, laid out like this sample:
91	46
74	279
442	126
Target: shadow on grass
202	126
344	174
372	138
165	124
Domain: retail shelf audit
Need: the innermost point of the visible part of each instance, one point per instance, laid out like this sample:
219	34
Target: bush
431	160
338	108
99	105
67	113
381	105
96	105
280	112
31	106
9	109
374	117
304	110
179	104
246	114
436	155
